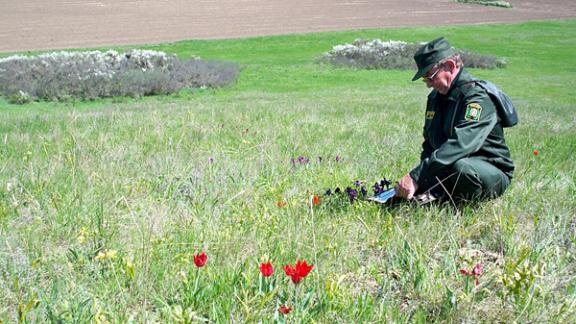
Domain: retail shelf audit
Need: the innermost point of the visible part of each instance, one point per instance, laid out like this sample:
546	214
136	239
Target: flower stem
197	281
260	284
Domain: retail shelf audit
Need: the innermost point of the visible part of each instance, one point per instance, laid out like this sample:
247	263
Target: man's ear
451	65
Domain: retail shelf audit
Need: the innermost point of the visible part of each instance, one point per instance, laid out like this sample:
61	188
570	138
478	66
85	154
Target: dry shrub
95	74
494	3
376	54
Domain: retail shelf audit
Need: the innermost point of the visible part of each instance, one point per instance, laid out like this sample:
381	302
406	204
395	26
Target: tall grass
160	179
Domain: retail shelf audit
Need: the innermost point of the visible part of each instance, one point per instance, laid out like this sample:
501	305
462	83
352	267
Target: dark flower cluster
358	190
381	186
302	160
299	160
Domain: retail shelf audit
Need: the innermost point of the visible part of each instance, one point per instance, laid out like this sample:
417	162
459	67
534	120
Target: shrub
96	74
20	98
376	54
478	61
495	3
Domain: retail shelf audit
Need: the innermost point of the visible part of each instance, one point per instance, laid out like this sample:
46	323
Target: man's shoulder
475	97
472	90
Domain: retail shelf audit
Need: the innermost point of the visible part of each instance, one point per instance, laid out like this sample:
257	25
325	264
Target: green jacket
462	123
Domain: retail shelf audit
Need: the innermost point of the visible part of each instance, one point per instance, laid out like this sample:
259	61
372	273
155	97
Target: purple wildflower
357	183
377	189
338	158
385	183
364	192
337	190
211	159
352	194
328	192
303	160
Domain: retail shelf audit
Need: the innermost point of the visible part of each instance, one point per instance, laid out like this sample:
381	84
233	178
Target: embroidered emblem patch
473	112
430	114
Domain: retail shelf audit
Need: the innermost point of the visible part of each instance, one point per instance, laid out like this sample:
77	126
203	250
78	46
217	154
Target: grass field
103	204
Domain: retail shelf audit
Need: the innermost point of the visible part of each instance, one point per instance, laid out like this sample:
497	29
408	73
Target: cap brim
422	71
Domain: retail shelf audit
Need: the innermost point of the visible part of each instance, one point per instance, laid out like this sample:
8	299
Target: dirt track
55	24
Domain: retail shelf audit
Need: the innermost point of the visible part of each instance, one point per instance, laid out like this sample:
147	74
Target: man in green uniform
464	155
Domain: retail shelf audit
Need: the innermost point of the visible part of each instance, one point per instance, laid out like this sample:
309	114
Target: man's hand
406	187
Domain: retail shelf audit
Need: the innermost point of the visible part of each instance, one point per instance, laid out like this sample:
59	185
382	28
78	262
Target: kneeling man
464	155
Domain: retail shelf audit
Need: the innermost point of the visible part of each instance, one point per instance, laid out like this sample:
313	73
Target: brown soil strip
56	24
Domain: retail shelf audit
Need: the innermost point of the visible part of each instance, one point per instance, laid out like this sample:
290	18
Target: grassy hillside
103	204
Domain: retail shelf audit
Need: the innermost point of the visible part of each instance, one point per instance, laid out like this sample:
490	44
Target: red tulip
535	153
315	200
200	259
299	271
284	309
476	272
266	269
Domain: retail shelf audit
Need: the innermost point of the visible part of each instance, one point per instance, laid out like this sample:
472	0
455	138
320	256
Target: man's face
438	78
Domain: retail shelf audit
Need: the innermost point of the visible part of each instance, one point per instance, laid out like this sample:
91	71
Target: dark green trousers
471	179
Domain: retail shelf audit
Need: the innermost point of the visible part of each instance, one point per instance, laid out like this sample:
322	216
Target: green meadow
103	204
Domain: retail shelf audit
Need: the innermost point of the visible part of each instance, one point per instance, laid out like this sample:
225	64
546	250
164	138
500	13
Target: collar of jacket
463	77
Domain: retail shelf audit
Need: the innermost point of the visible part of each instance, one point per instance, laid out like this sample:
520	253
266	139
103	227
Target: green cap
430	54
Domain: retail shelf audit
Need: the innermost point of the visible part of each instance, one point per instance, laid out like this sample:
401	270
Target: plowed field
53	24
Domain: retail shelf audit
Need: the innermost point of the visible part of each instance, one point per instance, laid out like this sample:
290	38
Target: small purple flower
377	189
299	160
211	160
385	183
352	194
338	158
337	190
357	183
328	192
303	160
364	192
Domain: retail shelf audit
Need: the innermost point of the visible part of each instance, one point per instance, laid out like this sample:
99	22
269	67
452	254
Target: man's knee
465	167
475	178
465	180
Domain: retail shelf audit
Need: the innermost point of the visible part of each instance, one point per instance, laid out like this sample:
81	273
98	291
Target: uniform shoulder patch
430	114
473	111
